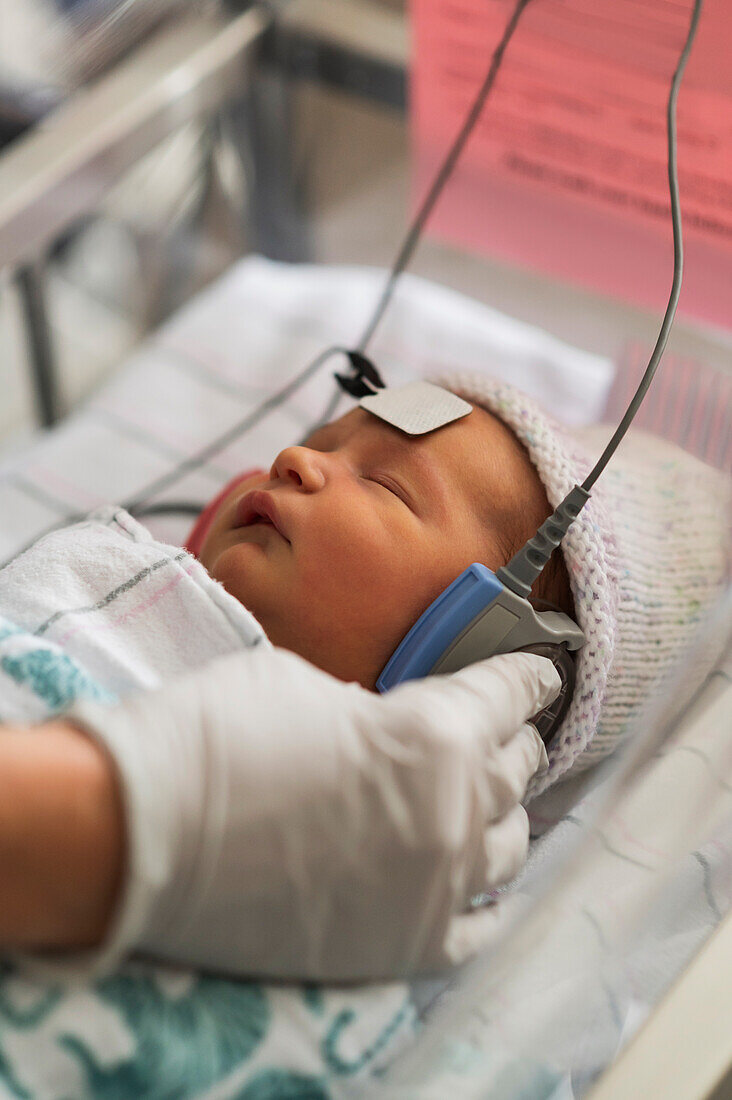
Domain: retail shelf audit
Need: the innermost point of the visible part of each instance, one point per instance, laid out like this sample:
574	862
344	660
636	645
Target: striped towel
100	609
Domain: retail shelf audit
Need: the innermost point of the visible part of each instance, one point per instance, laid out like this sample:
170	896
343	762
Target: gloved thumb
511	688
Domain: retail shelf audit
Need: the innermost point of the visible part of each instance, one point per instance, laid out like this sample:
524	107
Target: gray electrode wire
404	256
227	437
416	229
429	202
668	318
524	568
141	507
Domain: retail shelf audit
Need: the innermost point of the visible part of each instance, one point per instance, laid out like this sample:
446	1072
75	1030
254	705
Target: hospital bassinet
622	898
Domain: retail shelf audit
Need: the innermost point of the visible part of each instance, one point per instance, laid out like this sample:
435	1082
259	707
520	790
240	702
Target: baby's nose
301	466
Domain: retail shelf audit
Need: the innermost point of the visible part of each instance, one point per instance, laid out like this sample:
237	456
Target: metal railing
62	168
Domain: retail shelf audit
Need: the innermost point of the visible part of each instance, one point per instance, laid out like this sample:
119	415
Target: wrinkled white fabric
286	824
129	612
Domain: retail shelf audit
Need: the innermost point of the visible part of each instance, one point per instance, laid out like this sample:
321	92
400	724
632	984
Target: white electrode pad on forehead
416	408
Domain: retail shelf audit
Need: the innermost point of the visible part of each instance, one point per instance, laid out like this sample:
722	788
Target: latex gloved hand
283	823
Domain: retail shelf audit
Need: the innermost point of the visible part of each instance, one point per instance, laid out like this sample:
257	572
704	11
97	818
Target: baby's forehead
477	457
474	435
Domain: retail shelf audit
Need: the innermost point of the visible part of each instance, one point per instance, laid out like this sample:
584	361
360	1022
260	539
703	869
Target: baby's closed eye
390	485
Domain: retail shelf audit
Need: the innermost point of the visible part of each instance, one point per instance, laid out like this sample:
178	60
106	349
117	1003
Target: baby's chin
246	574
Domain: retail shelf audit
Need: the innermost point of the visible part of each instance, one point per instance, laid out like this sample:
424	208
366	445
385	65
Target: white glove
283	823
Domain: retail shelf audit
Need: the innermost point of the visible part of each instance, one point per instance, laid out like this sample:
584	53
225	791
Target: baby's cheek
380	582
233	569
340	551
351	603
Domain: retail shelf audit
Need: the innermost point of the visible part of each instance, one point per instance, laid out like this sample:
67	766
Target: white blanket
127	610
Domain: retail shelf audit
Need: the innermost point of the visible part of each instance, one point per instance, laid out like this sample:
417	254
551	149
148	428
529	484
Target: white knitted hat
646	558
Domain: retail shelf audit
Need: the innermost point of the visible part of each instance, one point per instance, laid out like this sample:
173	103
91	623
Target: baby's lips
258	504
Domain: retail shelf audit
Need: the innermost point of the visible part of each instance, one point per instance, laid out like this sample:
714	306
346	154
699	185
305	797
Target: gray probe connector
520	573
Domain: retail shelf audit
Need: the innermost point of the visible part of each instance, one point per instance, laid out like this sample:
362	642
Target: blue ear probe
476	617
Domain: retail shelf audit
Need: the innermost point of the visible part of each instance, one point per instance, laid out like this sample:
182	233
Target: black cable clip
366	379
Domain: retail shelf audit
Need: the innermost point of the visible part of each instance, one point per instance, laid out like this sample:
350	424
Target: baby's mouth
258	508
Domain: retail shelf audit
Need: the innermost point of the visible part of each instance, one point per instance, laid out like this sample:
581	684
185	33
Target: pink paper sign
566	169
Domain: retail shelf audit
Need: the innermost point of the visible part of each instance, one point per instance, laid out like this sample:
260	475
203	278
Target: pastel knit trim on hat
589	552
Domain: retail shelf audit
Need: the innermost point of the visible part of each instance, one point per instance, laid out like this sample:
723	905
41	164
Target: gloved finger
478	930
505	844
510	689
506	774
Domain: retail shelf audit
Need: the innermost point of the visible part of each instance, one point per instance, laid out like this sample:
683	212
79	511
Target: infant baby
336	551
339	548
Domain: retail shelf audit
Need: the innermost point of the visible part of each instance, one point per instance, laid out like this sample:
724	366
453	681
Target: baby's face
341	548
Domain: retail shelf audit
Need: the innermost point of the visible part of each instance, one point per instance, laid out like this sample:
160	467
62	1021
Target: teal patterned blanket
163	1034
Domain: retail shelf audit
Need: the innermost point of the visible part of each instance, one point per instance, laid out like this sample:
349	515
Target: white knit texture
646	557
